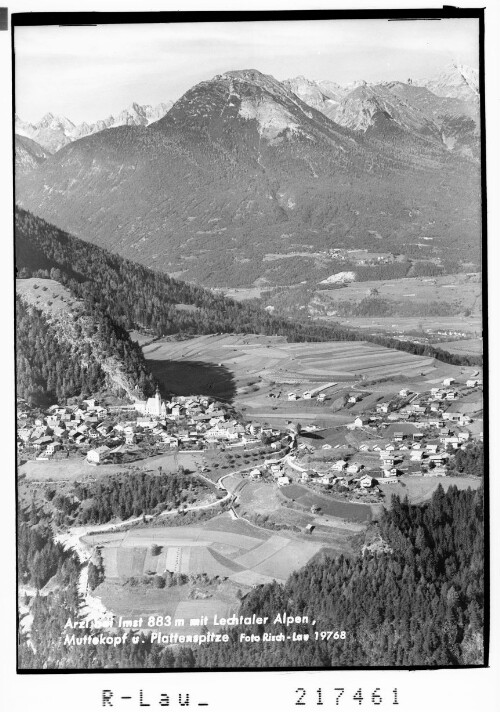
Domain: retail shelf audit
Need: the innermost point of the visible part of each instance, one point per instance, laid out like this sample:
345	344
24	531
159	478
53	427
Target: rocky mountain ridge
54	132
241	167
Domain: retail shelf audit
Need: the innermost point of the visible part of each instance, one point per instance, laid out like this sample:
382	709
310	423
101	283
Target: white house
282	481
359	422
99	454
293	397
339	465
448	381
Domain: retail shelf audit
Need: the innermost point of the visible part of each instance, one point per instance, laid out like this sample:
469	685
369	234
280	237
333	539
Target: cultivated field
420	489
250	555
474	347
421	325
254	363
77	468
462	289
328	505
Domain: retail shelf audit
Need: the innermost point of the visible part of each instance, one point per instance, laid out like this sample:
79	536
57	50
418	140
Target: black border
434	14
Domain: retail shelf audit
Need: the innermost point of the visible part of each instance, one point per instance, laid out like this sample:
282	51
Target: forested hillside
135	494
79	356
47	369
419	604
136	297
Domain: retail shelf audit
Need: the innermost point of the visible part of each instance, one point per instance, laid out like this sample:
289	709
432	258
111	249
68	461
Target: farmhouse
282	481
99	454
339	465
448	381
293	397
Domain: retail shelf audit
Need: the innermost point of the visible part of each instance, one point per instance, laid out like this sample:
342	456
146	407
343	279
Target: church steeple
157	401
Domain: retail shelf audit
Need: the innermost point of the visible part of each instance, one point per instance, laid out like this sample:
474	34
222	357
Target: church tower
157	402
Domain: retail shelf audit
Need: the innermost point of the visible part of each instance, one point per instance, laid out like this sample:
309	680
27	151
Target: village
124	433
409	435
392	437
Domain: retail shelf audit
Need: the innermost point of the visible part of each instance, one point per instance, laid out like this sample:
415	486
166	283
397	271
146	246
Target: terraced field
272	359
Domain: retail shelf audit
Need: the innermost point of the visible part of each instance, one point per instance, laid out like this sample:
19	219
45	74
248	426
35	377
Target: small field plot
251	578
201	561
420	489
473	347
130	561
327	505
262	552
294	555
109	556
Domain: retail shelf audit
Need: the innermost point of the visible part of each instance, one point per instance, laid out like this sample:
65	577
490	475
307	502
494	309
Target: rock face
54	132
241	166
29	154
457	81
443	110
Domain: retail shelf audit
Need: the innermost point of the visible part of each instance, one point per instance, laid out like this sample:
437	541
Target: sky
88	73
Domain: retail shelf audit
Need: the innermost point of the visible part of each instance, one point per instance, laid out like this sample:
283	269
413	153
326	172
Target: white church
154	407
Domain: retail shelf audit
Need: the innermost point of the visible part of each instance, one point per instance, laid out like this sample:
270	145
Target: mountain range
54	132
245	172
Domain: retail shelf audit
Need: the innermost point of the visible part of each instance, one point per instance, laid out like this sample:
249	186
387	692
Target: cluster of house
341	472
189	422
45	433
429	429
362	256
318	393
429	411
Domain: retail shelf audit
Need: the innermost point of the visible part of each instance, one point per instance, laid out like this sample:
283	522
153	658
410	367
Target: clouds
89	72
